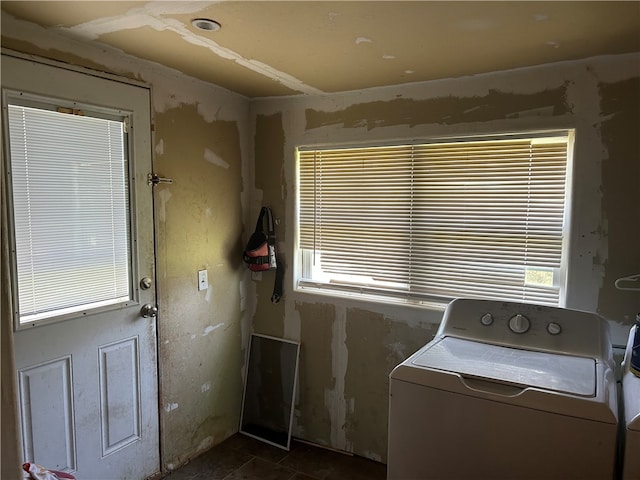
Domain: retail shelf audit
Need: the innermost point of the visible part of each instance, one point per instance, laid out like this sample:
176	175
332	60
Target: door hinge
153	179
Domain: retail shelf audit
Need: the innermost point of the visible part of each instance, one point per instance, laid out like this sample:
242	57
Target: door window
68	175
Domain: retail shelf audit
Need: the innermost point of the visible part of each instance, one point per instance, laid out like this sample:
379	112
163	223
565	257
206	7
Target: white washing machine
631	421
506	391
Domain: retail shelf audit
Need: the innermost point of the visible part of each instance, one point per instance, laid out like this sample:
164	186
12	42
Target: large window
476	218
68	175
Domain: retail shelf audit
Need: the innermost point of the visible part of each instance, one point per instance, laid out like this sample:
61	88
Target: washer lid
524	368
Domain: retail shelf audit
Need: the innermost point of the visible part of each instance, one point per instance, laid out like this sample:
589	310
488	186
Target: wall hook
631	282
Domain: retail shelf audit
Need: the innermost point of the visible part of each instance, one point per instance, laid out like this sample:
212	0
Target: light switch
203	281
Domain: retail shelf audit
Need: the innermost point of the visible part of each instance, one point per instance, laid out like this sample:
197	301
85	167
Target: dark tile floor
242	457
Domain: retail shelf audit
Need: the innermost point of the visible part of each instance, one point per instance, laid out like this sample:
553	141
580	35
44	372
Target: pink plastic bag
38	472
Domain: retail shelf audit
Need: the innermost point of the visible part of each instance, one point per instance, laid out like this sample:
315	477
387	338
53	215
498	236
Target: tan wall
200	134
350	346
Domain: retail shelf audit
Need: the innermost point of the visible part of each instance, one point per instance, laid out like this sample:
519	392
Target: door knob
149	310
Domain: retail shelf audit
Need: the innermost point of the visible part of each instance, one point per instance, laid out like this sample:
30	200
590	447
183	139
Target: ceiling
270	48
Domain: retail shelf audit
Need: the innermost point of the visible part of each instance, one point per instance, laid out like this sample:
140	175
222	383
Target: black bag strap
271	231
277	283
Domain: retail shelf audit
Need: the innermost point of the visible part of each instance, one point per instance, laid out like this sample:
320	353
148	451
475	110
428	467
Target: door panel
119	394
87	385
47	406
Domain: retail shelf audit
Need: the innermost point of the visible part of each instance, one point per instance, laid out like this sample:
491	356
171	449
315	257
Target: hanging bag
260	252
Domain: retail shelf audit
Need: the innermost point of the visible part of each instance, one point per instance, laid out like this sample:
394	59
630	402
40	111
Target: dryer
506	390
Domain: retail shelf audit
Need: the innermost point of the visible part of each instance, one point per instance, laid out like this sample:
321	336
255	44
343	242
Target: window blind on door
71	211
466	218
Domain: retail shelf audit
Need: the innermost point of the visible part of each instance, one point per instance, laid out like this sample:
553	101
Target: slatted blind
71	211
477	218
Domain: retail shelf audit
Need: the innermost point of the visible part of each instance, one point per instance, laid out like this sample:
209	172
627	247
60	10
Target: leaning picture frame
269	389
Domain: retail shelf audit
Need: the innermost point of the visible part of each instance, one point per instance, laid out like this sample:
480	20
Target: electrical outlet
203	281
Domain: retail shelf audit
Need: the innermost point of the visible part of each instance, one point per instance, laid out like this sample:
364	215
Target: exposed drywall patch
207	196
365	382
205	444
205	387
269	317
315	375
211	328
335	397
226	106
448	110
360	40
214	159
376	344
41	49
201	436
164	194
620	104
170	407
269	154
160	147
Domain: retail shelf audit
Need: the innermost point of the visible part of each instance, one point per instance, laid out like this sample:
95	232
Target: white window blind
466	218
71	218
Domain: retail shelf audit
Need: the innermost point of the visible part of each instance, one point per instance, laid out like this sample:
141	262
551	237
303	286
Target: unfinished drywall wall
198	228
350	345
271	188
375	345
442	110
199	138
620	103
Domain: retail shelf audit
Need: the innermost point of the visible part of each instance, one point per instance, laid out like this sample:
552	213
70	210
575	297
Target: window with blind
476	218
68	175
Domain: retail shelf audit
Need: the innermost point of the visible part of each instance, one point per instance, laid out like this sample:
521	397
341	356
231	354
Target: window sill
370	298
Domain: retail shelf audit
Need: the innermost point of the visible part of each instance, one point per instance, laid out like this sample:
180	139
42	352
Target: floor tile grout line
253	457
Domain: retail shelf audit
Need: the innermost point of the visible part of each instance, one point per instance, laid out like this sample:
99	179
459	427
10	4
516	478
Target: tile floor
244	458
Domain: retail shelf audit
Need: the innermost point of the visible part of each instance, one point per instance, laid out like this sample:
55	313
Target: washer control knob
487	319
519	324
554	328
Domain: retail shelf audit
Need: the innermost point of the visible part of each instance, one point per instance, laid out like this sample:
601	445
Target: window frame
51	103
367	293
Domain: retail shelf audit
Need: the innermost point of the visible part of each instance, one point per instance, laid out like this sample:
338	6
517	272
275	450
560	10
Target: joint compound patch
205	444
211	328
360	40
211	157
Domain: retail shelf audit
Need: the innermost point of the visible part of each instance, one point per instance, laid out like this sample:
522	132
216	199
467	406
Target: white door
86	373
